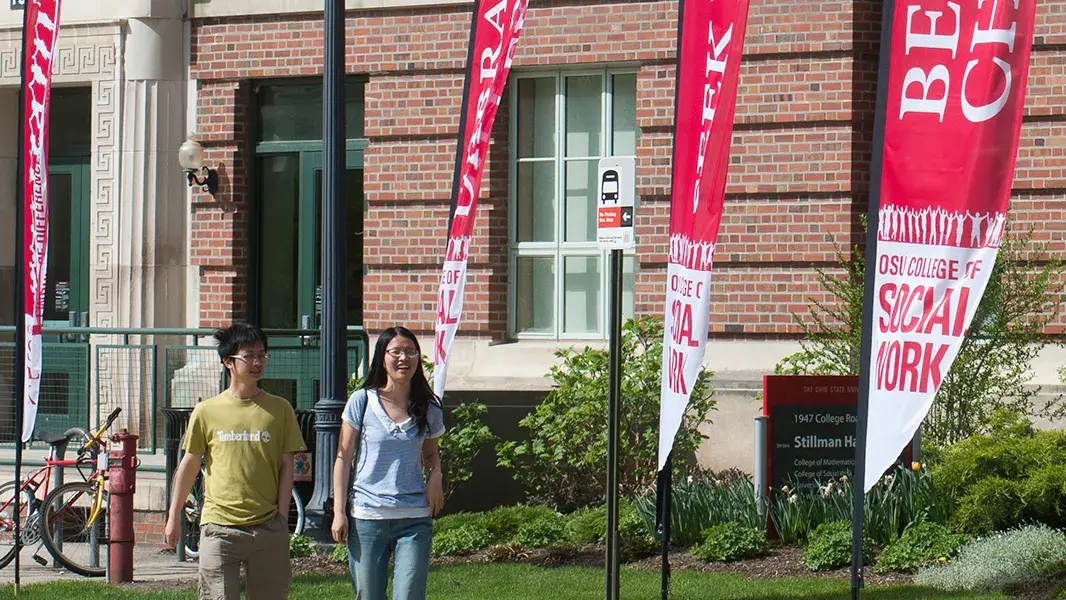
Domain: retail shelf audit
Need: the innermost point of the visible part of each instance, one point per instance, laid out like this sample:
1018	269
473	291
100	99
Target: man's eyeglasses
252	357
397	353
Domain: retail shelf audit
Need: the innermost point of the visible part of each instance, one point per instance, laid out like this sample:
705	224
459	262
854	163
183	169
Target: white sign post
615	203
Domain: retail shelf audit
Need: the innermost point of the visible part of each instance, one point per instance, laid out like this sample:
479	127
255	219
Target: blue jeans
371	543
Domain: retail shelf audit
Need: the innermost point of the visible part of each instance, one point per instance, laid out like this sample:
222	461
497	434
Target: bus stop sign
614	204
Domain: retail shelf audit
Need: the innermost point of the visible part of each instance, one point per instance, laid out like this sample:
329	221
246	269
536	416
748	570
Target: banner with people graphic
956	89
493	39
710	45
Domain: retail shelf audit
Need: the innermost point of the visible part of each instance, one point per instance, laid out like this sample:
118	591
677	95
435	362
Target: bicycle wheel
28	527
75	543
296	513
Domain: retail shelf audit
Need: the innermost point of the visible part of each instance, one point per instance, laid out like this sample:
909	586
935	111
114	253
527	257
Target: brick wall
798	177
148	527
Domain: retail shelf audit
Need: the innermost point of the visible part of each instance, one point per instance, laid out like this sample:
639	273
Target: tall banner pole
40	31
663	525
494	32
858	505
20	299
956	84
709	50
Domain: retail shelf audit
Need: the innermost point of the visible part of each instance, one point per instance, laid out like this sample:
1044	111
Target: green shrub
461	540
830	547
301	545
1045	491
503	523
560	461
457	520
588	526
992	504
339	553
1028	554
543	531
500	524
921	543
635	537
1012	475
729	542
461	444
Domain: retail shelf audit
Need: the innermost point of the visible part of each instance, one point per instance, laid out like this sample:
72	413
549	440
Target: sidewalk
149	564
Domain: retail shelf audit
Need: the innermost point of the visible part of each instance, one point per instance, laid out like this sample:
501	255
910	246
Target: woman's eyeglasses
397	353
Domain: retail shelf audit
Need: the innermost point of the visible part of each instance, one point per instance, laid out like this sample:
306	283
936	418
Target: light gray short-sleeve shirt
388	482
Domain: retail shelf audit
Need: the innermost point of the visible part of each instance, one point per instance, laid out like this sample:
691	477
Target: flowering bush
900	498
700	502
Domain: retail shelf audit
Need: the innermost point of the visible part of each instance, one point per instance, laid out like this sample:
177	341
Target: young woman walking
391	426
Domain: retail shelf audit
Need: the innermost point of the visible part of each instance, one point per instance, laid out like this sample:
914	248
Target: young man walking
248	437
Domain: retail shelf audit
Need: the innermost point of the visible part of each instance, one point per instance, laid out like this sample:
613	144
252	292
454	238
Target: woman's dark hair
421	391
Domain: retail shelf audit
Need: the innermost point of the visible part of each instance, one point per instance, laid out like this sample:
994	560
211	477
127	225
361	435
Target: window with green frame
562	123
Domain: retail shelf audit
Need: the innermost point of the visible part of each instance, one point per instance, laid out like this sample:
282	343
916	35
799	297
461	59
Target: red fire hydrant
122	482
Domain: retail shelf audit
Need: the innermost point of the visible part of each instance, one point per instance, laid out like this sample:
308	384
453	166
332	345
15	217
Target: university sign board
811	431
616	189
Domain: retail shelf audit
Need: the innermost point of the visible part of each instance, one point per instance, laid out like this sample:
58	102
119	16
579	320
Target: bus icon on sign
609	187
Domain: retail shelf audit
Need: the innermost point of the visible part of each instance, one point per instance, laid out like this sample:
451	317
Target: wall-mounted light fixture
191	158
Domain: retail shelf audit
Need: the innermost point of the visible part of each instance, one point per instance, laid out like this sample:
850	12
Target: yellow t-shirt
243	441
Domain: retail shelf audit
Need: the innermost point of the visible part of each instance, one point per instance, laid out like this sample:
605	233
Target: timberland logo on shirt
243	436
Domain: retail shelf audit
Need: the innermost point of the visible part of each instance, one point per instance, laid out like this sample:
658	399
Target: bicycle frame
98	494
42	477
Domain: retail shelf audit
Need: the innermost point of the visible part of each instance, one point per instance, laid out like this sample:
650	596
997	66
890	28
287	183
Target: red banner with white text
710	45
956	90
493	39
39	44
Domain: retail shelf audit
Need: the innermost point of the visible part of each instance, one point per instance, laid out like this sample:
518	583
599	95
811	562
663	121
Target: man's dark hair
231	339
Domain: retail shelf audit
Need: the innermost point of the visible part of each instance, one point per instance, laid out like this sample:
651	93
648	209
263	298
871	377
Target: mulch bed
781	562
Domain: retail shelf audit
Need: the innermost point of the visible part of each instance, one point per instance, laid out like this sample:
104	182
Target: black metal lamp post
334	346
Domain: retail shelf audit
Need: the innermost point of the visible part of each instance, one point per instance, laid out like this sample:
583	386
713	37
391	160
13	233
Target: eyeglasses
397	353
252	357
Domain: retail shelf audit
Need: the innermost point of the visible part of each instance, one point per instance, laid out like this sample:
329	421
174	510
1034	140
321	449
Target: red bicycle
38	502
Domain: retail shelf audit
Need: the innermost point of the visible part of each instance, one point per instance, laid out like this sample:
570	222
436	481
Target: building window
288	165
561	125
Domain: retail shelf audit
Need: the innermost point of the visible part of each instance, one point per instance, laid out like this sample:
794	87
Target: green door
64	399
289	265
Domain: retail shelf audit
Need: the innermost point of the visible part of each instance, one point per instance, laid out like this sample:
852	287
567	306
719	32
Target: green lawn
523	582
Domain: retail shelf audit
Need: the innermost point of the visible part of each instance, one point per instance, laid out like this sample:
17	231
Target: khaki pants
264	551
